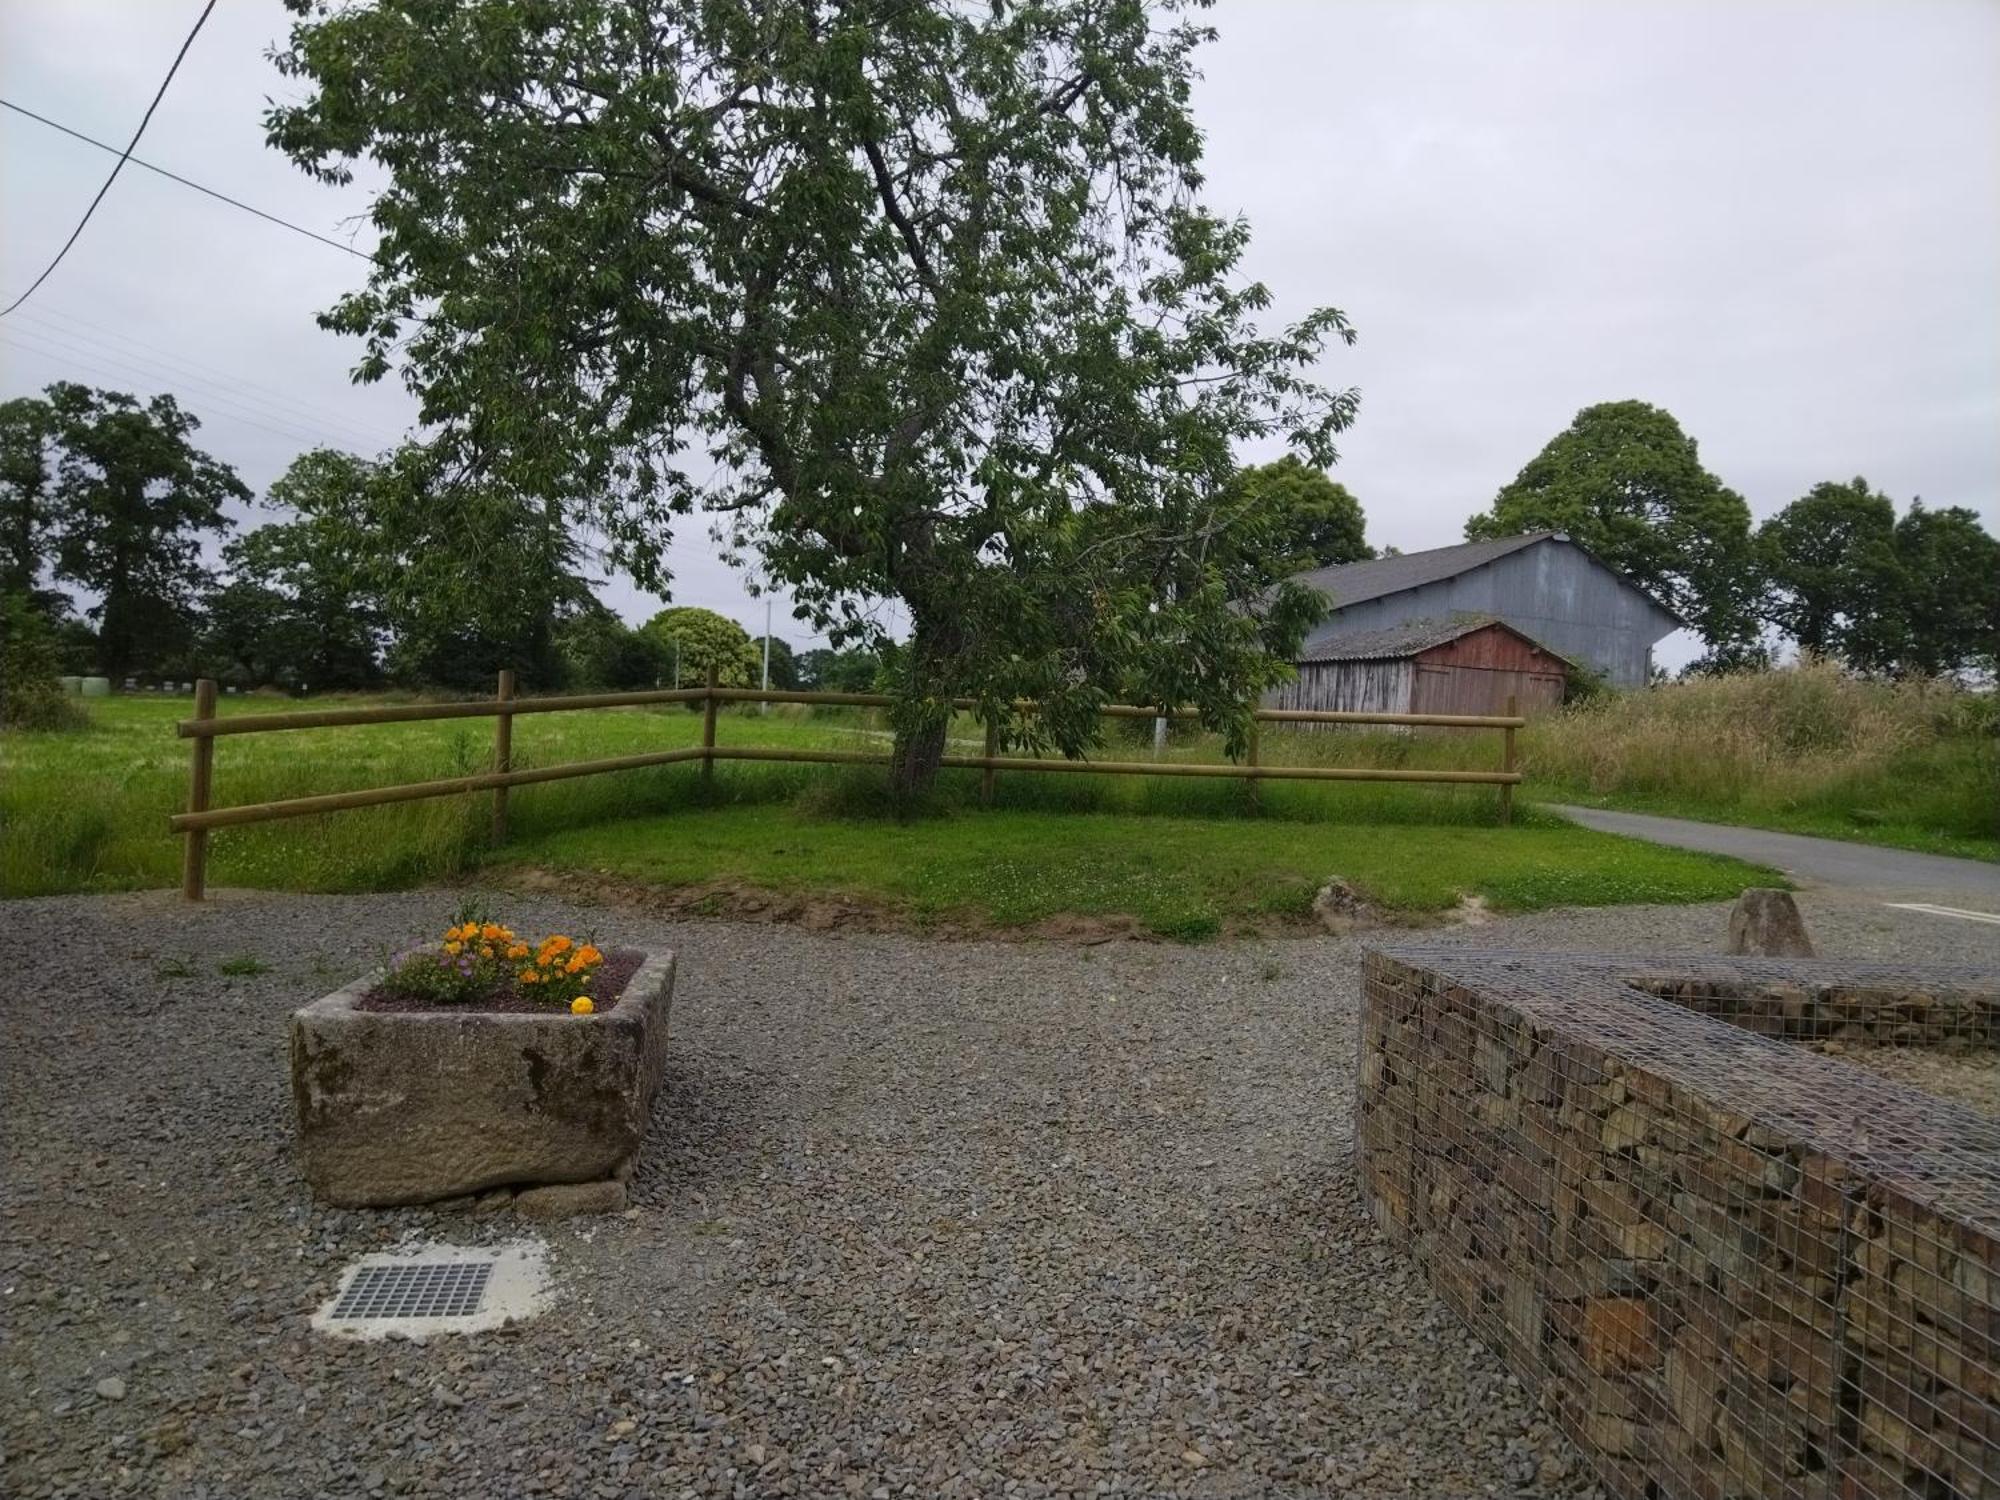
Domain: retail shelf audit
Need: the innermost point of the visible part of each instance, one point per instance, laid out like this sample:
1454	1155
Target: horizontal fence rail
205	728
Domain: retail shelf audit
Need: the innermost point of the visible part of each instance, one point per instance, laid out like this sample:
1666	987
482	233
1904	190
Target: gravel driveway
916	1218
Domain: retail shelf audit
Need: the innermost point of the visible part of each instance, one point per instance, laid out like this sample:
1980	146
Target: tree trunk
913	765
923	688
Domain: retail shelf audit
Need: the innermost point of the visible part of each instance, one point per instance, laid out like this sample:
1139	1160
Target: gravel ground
1968	1078
916	1218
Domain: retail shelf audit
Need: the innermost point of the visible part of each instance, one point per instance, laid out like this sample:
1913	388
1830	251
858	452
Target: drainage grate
415	1289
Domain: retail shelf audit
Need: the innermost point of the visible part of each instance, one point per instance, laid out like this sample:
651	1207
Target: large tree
1320	521
1945	613
696	639
1830	561
327	558
28	521
1624	481
136	499
918	297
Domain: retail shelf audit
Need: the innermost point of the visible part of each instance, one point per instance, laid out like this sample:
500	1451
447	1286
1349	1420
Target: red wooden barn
1464	664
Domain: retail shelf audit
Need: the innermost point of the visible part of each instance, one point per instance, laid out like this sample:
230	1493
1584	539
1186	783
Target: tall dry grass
1808	746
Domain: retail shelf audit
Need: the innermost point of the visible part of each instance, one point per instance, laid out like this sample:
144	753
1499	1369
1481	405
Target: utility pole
765	706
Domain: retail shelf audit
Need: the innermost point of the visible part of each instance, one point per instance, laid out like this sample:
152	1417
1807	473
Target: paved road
1829	862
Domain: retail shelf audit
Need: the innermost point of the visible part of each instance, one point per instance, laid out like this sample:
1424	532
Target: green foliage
1626	483
30	663
1322	524
1830	557
1946	617
928	287
695	639
326	560
1919	596
27	506
135	499
852	671
601	653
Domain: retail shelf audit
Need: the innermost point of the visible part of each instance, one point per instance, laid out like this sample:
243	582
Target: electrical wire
173	369
186	181
123	157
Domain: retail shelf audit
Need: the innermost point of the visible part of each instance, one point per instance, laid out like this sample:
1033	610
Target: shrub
30	695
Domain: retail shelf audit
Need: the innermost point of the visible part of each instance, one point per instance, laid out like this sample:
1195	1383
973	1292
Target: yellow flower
581	1006
453	947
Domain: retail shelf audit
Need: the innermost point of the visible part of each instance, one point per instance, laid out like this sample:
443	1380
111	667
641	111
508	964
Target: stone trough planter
416	1106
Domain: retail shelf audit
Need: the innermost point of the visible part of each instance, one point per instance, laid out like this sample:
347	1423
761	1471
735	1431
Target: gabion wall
1731	1266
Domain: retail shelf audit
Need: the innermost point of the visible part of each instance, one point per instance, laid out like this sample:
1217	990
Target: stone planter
410	1107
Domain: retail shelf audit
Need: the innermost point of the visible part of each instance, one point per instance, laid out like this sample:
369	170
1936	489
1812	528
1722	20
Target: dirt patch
510	998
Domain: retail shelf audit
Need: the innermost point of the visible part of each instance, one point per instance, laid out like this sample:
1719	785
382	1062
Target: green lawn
1178	876
87	811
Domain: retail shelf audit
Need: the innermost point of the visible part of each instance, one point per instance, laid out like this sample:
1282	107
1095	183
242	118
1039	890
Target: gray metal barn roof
1410	638
1357	582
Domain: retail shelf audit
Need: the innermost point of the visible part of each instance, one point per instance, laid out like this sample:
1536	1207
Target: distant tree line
370	572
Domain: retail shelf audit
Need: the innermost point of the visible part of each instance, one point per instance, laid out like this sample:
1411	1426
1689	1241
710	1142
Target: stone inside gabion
1730	1264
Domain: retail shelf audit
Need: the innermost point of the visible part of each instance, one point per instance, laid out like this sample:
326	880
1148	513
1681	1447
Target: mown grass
1806	749
87	811
1179	876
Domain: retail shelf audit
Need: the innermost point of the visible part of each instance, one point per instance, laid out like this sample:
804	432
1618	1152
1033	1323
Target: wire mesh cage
1730	1265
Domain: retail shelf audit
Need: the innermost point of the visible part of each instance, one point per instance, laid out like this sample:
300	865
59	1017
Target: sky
1778	219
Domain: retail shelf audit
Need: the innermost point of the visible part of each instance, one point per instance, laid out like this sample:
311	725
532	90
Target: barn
1463	664
1541	583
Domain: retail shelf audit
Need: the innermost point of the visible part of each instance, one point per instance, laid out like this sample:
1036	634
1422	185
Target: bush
30	663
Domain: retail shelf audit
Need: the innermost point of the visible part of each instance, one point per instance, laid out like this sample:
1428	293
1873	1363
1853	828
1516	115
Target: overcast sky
1780	221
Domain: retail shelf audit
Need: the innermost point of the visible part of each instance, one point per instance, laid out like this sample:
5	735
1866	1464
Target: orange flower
529	976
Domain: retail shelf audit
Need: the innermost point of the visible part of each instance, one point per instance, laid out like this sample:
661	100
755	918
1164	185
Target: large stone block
414	1106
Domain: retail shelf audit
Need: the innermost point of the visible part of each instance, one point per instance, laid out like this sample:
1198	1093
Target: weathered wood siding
1349	687
1473	690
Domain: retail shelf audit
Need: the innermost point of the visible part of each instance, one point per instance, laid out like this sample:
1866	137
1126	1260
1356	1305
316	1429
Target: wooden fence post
201	776
708	732
1256	735
987	774
1507	764
503	754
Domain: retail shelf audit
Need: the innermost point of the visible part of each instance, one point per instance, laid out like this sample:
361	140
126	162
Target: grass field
87	811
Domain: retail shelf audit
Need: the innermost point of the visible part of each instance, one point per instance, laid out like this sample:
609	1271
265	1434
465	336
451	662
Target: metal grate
415	1289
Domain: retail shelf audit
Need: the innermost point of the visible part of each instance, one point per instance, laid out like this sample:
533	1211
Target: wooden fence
204	729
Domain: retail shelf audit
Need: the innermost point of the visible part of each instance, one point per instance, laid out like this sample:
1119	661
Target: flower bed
452	1071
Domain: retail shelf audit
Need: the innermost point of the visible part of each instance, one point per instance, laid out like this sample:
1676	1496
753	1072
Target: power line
90	140
180	369
123	157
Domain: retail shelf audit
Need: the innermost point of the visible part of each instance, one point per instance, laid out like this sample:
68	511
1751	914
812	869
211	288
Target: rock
111	1388
1340	907
562	1200
412	1107
1766	924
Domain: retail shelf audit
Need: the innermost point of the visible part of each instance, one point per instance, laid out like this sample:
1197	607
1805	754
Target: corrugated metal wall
1553	592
